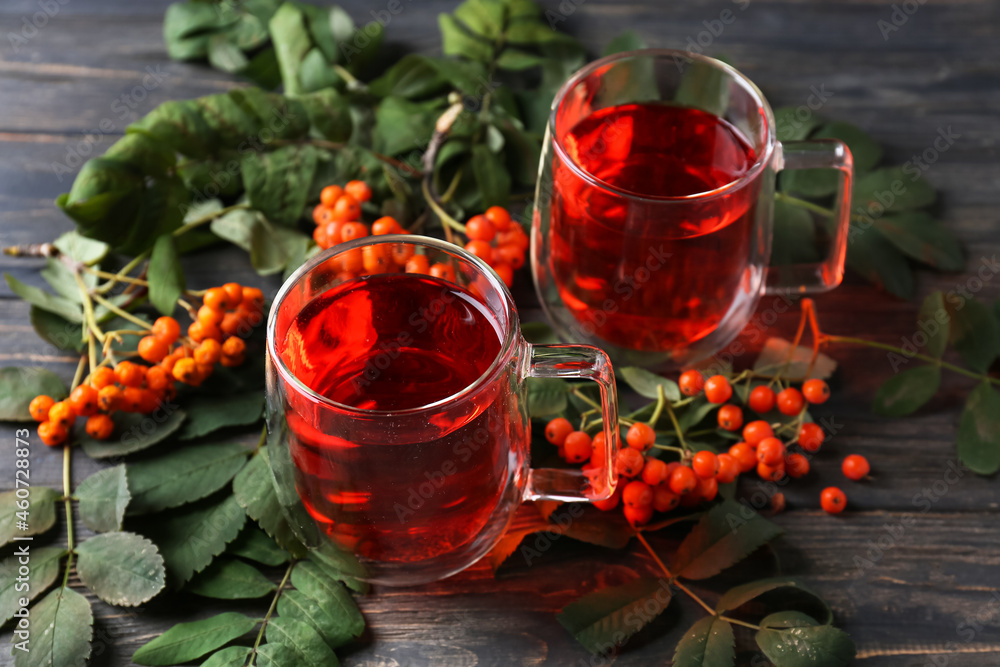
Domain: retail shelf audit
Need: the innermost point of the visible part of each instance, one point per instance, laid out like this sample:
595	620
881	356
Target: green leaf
806	646
921	237
702	86
254	491
625	41
55	330
695	413
975	333
64	628
483	17
335	626
40	513
212	414
143	153
277	183
740	595
226	56
934	321
539	333
340	564
329	113
402	125
166	276
254	544
878	261
291	44
456	41
230	579
723	537
276	655
412	77
134	432
191	538
646	383
515	60
188	641
234	656
823	182
907	391
187	19
183	475
80	248
180	125
20	384
492	176
103	498
891	189
547	396
794	240
709	643
979	430
307	644
39	298
123	569
61	278
333	599
45	570
603	620
789	619
792	124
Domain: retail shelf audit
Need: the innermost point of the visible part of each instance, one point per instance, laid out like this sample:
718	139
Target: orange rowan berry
771	473
832	500
609	503
109	398
770	451
359	190
376	259
83	399
253	298
100	427
233	347
509	254
208	352
351	231
761	399
718	389
557	430
708	488
796	465
443	271
418	264
347	209
505	272
816	391
62	413
729	469
103	377
157	379
199	331
402	252
230	324
683	480
216	298
705	464
210	316
166	329
153	349
321	236
756	431
129	375
597	454
577	447
629	462
232	361
52	434
637	494
638	515
481	249
329	195
640	436
654	472
811	437
186	371
691	382
321	215
499	217
855	467
385	225
479	228
353	261
790	401
730	417
744	455
168	363
39	407
234	293
664	499
777	502
131	399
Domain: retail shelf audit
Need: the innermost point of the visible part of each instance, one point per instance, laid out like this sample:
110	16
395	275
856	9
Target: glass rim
759	165
506	347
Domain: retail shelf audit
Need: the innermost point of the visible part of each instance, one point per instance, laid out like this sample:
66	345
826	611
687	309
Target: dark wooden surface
931	597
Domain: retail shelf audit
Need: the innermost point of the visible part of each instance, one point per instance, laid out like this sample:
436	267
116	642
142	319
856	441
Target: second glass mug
653	217
419	493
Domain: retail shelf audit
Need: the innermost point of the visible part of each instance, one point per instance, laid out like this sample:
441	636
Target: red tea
643	274
394	343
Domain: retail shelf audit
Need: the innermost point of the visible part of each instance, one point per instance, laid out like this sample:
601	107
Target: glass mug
652	224
397	407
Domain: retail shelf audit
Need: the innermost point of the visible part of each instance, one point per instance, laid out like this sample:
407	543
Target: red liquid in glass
652	276
395	342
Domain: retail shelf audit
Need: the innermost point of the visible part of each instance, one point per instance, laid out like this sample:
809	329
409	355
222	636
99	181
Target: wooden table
77	83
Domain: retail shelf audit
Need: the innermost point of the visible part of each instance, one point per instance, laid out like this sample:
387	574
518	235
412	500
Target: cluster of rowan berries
651	484
338	215
130	387
498	241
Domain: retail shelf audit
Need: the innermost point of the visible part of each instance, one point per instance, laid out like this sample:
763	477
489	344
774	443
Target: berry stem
661	399
677	427
671	578
274	604
124	314
88	308
668	448
808	205
78	375
68	504
114	276
850	340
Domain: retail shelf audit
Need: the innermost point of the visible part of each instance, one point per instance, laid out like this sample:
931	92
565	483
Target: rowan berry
637	494
729	468
609	504
744	455
230	325
761	399
385	225
253	298
771	451
730	417
756	431
233	347
129	375
499	217
352	261
443	271
83	399
376	259
329	195
481	249
322	215
505	272
131	399
52	434
39	407
629	462
347	209
811	437
234	293
359	190
664	499
640	436
152	349
597	455
100	427
705	464
102	377
855	467
402	252
796	465
186	371
790	401
351	231
216	299
509	254
638	515
683	480
771	473
157	378
577	447
109	398
166	329
557	430
654	472
832	500
718	389
232	361
418	264
816	390
208	352
691	382
148	401
777	502
479	228
707	488
62	413
199	331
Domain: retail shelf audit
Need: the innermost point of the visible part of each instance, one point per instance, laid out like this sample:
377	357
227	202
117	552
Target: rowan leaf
305	642
907	391
134	432
45	569
879	262
547	396
165	274
188	641
316	583
53	303
254	544
20	384
62	625
979	430
708	643
233	656
921	237
934	321
191	538
603	620
646	383
740	595
211	413
809	646
35	519
230	579
723	537
122	569
80	248
974	332
183	475
103	498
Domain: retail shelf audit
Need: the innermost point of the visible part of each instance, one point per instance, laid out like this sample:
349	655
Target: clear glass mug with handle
423	488
653	215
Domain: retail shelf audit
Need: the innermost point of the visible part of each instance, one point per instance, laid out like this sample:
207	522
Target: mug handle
827	274
577	361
